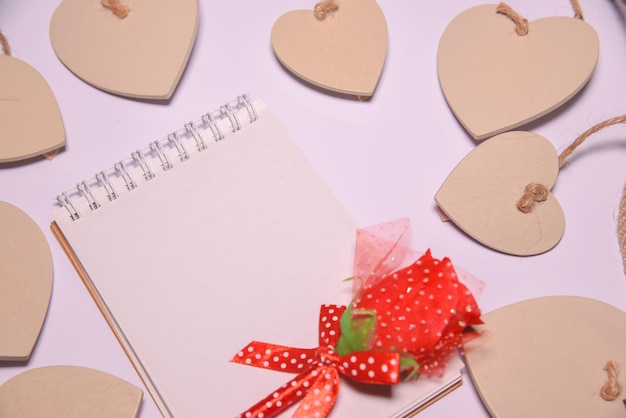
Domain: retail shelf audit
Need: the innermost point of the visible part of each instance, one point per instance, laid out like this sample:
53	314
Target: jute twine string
568	151
118	8
324	7
611	389
521	24
535	192
6	49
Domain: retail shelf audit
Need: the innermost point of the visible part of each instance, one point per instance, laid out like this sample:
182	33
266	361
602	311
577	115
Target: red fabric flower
421	310
406	316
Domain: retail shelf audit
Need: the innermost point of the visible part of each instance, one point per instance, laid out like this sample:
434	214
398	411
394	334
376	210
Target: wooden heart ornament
69	392
142	55
495	80
25	283
545	357
343	52
481	195
30	119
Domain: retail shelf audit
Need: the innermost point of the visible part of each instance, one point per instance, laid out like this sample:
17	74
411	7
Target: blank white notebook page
242	241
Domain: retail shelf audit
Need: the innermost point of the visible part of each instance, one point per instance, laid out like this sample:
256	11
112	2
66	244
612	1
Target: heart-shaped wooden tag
480	196
496	80
142	55
345	52
69	392
545	357
30	119
25	283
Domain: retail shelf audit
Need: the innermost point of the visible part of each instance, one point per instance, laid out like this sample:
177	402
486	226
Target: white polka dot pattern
317	384
422	311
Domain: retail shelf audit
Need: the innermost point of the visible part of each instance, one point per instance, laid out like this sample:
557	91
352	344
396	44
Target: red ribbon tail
276	357
322	394
286	395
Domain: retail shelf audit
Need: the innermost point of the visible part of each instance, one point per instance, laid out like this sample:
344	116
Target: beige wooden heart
545	357
496	80
68	392
345	52
142	55
30	119
25	283
480	196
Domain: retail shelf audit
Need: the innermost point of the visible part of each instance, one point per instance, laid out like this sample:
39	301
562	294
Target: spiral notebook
218	234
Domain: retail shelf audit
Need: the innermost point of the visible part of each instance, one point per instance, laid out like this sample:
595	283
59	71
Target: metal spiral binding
65	201
182	152
158	150
141	160
191	131
103	178
128	179
215	129
85	190
252	115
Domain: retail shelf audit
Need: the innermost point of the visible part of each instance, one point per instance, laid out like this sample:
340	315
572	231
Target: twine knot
324	7
521	24
118	8
611	389
533	192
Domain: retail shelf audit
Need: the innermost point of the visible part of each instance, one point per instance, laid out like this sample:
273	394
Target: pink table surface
385	158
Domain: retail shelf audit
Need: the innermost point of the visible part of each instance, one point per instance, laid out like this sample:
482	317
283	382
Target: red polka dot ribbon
317	384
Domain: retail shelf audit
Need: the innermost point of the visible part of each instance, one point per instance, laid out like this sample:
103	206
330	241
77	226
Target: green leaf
357	331
409	363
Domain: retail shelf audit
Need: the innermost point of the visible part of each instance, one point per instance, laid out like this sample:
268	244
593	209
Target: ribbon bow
317	383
